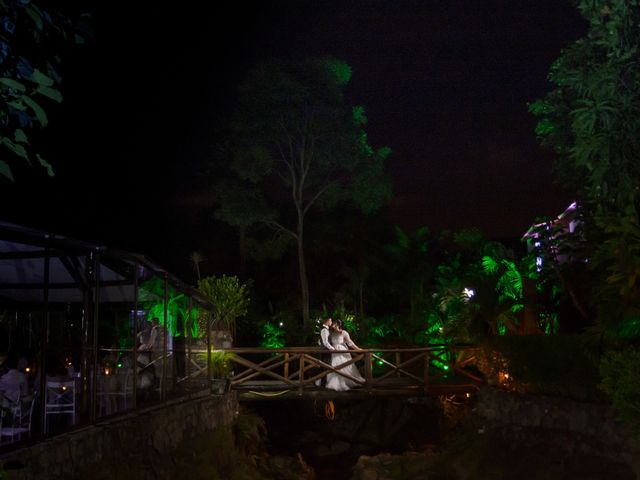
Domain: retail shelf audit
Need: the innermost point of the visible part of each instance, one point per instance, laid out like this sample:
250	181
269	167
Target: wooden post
301	380
426	372
368	371
454	360
286	365
397	363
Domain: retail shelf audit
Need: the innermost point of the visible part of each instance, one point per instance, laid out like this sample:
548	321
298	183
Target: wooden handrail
408	368
315	350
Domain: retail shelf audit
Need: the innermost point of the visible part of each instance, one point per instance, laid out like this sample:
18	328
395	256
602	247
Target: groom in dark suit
325	344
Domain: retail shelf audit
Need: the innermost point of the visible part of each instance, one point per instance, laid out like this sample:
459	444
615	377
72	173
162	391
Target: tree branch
315	197
281	228
290	164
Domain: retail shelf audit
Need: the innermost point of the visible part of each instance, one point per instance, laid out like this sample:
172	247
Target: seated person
56	371
23	364
13	383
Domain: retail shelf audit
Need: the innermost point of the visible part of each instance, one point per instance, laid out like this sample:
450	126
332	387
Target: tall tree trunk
575	299
304	283
242	250
529	323
361	299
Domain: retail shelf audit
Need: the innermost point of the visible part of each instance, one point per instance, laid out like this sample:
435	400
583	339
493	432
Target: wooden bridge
267	374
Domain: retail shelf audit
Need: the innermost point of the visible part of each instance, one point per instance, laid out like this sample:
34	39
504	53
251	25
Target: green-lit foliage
340	70
273	335
433	334
221	363
549	322
557	262
480	288
591	120
383	330
350	321
152	300
194	324
617	259
229	297
509	283
509	289
629	329
518	310
465	298
417	258
351	325
29	75
620	373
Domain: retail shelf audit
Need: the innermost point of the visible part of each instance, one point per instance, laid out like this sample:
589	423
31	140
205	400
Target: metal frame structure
41	272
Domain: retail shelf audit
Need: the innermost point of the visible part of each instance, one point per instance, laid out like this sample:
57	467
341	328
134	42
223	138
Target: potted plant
221	362
230	300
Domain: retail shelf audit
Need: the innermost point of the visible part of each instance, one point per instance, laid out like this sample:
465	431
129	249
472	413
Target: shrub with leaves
591	117
617	260
251	434
29	74
229	297
544	364
221	363
350	321
620	372
273	335
591	121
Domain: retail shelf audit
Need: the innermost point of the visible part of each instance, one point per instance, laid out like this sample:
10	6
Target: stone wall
578	428
141	442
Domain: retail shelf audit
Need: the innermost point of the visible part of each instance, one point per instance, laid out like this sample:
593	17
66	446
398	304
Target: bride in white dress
341	340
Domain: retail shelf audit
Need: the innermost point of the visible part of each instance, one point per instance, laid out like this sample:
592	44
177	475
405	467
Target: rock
286	468
368	474
339	448
322	451
409	466
309	436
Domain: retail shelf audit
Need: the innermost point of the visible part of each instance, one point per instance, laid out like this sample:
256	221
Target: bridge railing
300	368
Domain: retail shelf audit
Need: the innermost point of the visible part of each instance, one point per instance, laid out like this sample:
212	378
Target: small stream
332	446
473	446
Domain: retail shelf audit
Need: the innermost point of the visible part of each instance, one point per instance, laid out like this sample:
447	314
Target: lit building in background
545	236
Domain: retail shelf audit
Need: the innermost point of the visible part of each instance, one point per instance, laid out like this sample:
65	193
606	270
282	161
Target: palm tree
196	258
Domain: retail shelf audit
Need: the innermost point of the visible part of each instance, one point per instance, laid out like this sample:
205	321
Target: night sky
445	85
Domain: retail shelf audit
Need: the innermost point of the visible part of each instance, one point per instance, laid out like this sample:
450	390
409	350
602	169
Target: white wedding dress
342	341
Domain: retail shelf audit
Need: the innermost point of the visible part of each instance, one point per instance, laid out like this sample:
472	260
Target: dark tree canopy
592	116
293	127
592	120
30	40
298	145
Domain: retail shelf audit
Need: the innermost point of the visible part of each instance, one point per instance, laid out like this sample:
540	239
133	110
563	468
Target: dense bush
545	364
620	372
228	452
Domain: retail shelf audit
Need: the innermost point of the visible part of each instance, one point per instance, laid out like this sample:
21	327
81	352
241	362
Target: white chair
60	399
16	418
115	392
127	387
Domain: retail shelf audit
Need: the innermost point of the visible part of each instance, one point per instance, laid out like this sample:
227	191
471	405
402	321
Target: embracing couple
335	338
